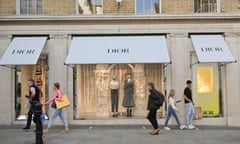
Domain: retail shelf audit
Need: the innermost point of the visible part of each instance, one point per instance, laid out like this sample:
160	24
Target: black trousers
114	100
29	118
153	118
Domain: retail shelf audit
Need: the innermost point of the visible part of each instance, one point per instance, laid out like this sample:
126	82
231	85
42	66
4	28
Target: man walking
189	104
34	95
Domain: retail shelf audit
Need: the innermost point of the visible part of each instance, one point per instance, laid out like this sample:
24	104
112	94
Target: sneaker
190	126
167	128
182	127
66	130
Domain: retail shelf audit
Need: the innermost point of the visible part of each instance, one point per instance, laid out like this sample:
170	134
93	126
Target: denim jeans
57	112
171	112
189	113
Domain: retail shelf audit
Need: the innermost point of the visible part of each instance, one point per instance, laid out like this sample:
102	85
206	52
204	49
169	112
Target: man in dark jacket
153	107
34	95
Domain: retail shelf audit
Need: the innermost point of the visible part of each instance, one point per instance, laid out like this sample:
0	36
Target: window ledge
206	16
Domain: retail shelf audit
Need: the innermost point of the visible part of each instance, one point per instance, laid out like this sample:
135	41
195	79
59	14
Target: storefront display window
114	90
206	88
22	75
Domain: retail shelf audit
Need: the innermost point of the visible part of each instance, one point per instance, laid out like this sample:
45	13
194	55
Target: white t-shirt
114	84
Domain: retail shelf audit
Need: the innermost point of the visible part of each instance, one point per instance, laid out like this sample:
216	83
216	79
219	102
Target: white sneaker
167	128
190	126
182	127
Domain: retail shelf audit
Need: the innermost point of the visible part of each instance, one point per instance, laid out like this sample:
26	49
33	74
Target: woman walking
172	110
153	107
57	112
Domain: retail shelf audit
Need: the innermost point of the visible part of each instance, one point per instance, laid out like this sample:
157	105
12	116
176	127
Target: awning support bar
14	68
194	64
165	65
223	64
69	65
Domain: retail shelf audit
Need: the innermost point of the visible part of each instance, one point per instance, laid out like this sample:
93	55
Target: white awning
23	51
212	48
118	49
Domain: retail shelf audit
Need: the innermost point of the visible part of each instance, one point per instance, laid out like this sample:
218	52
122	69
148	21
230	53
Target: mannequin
114	86
128	101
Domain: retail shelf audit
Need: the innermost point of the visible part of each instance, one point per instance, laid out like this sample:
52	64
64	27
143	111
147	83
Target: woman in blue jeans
57	112
172	110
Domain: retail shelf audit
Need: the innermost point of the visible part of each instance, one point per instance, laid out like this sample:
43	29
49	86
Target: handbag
54	105
63	103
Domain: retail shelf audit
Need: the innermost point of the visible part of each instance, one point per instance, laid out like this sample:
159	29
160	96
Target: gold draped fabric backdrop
93	88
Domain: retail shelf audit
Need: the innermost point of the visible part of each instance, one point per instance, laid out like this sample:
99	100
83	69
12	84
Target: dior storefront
103	65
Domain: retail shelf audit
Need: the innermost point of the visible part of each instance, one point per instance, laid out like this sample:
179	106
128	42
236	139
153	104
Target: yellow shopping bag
63	103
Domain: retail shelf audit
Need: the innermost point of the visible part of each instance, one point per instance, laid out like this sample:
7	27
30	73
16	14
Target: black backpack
161	99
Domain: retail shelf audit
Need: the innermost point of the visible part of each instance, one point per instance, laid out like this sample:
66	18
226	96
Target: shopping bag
63	103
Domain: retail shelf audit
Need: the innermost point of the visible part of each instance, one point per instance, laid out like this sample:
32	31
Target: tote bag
63	103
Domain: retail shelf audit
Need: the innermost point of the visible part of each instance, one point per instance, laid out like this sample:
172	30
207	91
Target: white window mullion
218	6
18	7
160	6
77	7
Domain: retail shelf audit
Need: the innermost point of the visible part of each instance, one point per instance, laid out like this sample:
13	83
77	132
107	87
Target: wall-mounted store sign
23	51
211	48
118	49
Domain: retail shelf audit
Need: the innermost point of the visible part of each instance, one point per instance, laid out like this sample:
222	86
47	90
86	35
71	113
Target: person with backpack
172	110
155	100
34	95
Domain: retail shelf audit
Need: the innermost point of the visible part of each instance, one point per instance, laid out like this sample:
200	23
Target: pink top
57	96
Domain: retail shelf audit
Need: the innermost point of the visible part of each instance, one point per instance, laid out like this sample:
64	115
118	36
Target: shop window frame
45	93
194	63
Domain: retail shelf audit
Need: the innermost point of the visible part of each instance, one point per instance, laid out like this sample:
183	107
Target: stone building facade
87	85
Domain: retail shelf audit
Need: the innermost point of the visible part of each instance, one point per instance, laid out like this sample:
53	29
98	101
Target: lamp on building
118	3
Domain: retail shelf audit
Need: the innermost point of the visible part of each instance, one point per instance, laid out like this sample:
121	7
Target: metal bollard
37	110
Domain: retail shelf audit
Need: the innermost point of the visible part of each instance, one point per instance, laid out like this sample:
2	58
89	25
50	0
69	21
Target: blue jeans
189	113
171	112
57	112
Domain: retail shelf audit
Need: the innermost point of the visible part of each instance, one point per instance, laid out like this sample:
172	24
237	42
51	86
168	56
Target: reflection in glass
147	6
205	79
203	6
90	7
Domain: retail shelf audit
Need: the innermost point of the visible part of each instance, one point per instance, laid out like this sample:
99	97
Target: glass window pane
39	6
90	7
23	6
31	6
147	6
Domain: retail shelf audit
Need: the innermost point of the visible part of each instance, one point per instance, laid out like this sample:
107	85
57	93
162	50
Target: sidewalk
123	135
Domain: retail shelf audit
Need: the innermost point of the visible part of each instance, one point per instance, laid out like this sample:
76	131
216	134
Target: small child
172	109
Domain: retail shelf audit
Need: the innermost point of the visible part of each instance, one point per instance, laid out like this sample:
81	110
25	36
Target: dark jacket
152	100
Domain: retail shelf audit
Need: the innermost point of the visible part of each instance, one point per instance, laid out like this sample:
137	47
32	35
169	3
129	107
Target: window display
23	74
107	90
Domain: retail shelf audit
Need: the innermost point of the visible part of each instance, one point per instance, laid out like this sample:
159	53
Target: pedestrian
57	112
34	95
189	104
172	110
153	107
